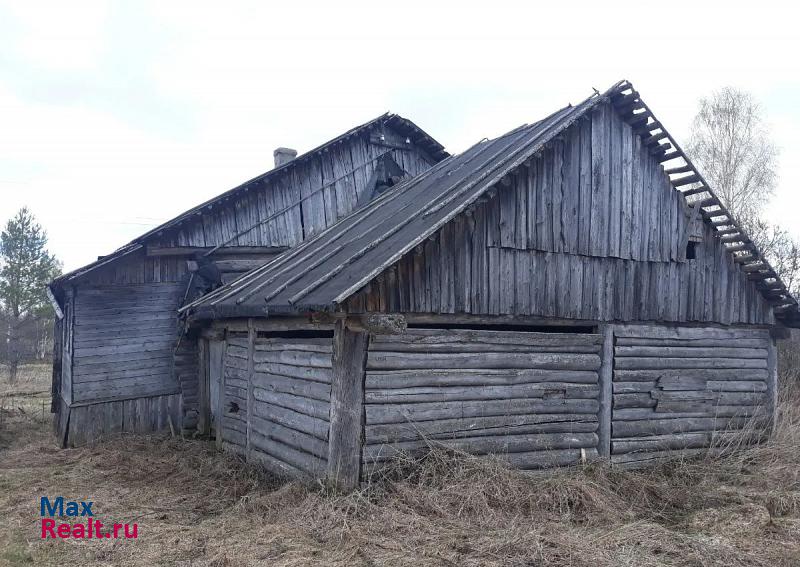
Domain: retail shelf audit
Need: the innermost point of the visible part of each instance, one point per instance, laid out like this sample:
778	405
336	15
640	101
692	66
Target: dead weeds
195	506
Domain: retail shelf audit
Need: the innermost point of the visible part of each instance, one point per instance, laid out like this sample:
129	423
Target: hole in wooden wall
691	252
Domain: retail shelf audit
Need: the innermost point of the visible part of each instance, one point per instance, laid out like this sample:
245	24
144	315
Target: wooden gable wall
591	229
123	332
343	171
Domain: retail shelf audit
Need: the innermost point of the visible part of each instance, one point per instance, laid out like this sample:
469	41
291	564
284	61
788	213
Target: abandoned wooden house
568	291
121	362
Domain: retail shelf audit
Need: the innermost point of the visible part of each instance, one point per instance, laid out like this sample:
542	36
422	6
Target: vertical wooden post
606	391
346	433
772	380
251	347
221	394
204	417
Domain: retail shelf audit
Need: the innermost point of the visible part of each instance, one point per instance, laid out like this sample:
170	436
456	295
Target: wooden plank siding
323	188
124	341
125	313
529	398
92	422
589	229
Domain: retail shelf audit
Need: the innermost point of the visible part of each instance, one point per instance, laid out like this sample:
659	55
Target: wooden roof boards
321	273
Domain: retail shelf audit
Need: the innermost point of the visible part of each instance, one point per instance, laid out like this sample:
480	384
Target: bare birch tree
730	143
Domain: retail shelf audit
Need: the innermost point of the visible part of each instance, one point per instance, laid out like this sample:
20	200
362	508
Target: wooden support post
606	388
346	434
251	347
772	379
221	396
203	394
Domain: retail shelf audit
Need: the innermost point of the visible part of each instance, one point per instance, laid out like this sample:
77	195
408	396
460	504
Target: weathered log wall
590	229
91	422
234	410
687	388
281	390
530	398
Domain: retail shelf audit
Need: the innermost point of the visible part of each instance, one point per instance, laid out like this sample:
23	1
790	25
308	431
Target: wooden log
293	358
322	375
689	352
493	444
678	441
470	377
399	413
712	411
396	361
648	427
760	343
296	386
645	363
737	386
544	390
706	373
347	406
480	426
300	404
292	419
320	346
296	439
664	332
633	387
468	336
478	346
634	400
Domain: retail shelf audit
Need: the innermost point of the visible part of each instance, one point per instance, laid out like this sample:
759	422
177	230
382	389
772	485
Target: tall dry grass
739	506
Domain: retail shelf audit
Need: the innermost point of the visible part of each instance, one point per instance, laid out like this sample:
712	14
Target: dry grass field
194	506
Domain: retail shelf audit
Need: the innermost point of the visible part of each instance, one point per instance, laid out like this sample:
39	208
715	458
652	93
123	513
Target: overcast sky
115	117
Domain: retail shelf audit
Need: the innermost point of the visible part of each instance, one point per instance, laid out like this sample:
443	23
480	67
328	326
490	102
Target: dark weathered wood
470	377
396	360
772	380
399	413
493	444
347	406
454	428
546	390
606	377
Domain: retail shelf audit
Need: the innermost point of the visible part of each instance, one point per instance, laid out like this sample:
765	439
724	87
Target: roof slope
401	125
324	271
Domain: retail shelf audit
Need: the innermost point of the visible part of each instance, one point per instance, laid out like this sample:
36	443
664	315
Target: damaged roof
323	272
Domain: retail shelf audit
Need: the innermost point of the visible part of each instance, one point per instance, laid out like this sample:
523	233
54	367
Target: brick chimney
283	155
